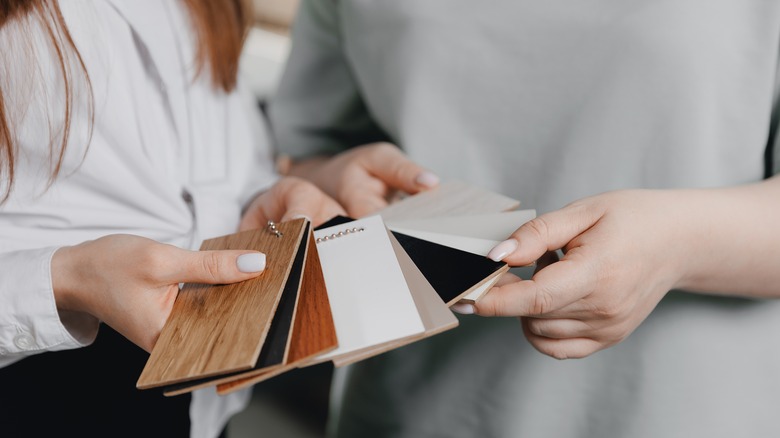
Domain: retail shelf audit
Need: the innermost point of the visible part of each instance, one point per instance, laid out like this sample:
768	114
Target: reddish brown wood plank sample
217	329
313	331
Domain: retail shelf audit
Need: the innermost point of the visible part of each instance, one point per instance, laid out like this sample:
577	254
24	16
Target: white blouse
169	158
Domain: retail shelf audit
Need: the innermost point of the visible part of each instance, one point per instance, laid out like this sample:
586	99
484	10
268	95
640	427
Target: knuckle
607	311
542	303
156	259
536	327
552	349
212	266
538	227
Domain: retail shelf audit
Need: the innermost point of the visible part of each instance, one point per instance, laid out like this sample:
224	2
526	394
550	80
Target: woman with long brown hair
126	139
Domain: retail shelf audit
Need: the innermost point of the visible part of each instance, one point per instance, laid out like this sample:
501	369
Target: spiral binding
340	234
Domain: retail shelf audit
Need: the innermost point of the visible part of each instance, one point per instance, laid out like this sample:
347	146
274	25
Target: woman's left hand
290	198
623	251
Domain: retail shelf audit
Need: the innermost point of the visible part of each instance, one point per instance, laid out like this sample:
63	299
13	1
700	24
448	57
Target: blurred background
294	404
267	45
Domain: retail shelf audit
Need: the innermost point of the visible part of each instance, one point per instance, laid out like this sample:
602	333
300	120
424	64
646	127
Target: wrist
64	278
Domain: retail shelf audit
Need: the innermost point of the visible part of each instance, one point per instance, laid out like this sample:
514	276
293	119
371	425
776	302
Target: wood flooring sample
276	346
217	329
313	331
452	198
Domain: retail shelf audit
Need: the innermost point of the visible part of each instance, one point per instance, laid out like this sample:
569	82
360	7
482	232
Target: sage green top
549	102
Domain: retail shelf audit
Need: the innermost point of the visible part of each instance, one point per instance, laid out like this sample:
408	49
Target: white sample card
370	300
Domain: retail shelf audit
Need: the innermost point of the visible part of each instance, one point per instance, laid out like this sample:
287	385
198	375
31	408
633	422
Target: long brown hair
221	27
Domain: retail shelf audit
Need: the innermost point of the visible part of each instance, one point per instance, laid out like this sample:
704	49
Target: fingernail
464	309
252	262
427	179
502	250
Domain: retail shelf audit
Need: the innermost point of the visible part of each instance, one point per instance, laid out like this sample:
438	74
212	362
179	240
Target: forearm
734	239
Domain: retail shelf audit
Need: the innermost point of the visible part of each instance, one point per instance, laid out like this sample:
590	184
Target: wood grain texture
217	329
313	332
273	354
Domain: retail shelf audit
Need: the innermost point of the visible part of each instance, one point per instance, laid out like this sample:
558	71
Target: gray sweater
549	102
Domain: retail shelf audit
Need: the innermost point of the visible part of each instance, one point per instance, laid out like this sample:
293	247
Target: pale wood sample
274	352
495	226
450	198
217	329
313	331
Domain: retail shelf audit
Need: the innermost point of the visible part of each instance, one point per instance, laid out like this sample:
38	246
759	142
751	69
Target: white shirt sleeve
29	320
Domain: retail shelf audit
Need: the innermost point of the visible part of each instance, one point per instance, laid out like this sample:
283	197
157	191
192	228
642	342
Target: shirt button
186	196
24	341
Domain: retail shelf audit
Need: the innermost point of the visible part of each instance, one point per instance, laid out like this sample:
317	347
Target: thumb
548	232
218	267
396	170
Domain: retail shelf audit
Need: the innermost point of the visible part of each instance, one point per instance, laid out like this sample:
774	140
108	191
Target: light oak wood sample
218	329
313	331
496	226
452	198
273	354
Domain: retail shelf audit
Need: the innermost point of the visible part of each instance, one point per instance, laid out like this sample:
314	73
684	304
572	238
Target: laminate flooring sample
313	330
275	349
451	198
218	329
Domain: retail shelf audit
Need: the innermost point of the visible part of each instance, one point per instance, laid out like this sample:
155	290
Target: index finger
394	168
551	289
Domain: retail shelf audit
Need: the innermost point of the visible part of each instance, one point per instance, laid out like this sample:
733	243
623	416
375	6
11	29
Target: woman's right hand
130	282
364	179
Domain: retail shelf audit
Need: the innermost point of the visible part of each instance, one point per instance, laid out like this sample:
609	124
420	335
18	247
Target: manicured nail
427	179
464	309
252	262
502	250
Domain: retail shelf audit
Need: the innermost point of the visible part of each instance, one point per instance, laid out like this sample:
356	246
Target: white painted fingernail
464	309
252	262
427	179
502	250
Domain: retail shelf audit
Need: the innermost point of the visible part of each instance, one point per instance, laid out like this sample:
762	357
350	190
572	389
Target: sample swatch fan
349	290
